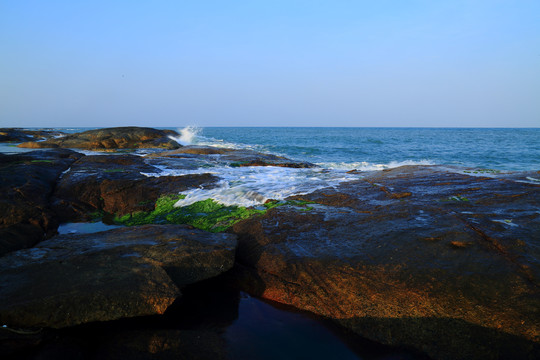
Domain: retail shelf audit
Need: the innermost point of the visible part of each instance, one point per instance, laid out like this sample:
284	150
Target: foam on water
188	135
192	135
253	185
367	166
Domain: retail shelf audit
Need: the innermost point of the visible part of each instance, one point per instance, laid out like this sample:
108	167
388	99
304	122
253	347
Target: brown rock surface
415	256
26	184
125	272
231	157
115	184
130	137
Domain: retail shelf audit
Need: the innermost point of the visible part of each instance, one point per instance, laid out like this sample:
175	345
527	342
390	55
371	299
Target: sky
412	63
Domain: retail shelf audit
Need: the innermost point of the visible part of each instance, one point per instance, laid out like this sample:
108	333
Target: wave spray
188	135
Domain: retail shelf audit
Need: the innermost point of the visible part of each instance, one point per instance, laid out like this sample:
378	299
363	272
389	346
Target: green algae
113	170
457	198
97	215
42	161
206	215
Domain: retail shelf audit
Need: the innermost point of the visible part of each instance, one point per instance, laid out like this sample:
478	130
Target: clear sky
270	63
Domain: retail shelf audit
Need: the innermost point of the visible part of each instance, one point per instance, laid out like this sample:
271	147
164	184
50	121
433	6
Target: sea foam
253	185
188	135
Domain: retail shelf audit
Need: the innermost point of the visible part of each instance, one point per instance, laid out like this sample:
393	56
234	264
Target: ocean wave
192	135
253	185
188	135
367	166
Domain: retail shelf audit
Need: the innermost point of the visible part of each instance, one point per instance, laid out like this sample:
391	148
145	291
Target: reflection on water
263	331
84	228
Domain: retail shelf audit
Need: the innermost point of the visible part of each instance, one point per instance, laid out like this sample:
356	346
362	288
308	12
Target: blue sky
270	63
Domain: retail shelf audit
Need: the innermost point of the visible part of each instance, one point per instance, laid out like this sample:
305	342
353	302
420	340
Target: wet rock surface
26	185
115	184
121	273
212	320
416	256
440	260
111	138
229	157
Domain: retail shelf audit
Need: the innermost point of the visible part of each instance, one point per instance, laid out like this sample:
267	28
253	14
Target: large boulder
415	256
116	184
130	137
120	273
26	185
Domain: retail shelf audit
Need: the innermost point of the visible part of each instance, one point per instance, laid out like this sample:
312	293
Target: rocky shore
441	261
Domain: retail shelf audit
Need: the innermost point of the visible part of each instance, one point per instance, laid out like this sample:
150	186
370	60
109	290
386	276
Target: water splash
253	185
188	135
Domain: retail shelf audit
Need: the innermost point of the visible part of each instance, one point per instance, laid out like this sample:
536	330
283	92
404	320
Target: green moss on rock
206	215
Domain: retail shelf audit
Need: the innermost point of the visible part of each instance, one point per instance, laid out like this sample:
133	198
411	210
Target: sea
338	150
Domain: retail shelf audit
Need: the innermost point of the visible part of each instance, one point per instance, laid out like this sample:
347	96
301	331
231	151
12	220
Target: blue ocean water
504	149
338	150
501	149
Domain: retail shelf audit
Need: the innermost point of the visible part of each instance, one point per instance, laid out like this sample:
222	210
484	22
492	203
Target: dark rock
112	138
231	157
415	256
165	344
125	272
115	184
26	184
20	135
15	343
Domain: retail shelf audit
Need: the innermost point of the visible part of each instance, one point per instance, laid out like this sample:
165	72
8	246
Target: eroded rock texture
129	137
121	273
416	256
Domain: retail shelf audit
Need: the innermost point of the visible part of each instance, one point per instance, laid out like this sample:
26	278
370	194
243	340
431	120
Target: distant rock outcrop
415	256
112	138
20	135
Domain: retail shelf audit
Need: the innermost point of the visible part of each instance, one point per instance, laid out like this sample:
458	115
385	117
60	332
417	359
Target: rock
20	135
231	157
415	256
165	344
120	273
112	138
26	184
115	184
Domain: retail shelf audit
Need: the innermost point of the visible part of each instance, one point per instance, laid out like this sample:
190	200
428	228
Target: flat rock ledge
126	272
230	157
422	257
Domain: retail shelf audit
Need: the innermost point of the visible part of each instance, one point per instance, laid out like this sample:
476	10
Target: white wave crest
252	186
367	166
188	135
